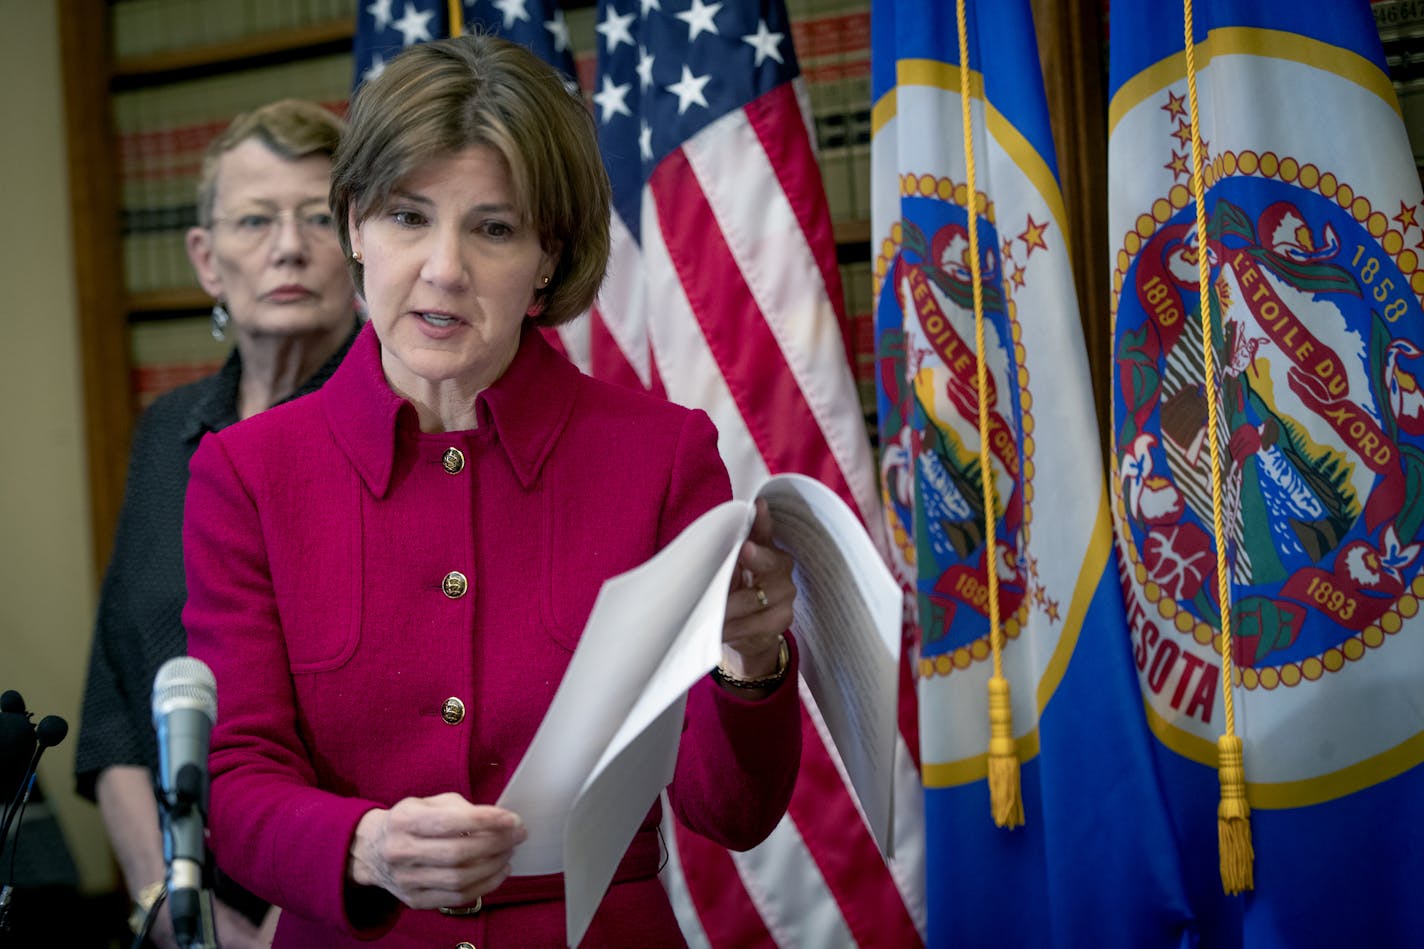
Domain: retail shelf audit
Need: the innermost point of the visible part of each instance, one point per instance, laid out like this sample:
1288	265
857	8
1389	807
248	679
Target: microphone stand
186	799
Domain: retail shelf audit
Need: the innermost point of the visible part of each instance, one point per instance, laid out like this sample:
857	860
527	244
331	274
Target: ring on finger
761	599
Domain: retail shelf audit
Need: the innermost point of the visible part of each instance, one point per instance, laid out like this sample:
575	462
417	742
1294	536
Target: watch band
783	662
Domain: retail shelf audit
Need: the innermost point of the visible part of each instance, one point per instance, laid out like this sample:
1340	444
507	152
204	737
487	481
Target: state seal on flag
1316	343
927	362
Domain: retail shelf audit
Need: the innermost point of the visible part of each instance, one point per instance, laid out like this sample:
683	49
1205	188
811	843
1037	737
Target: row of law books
833	48
147	27
166	354
162	132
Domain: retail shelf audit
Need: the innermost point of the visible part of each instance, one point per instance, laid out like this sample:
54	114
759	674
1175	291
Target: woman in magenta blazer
388	577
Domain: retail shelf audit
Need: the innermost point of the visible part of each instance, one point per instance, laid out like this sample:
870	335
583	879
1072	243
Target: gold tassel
1005	799
1233	819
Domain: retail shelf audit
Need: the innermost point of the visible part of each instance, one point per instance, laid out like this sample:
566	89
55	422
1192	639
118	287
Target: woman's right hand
435	851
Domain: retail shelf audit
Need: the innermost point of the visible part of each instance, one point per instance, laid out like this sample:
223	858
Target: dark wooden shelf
173	301
852	231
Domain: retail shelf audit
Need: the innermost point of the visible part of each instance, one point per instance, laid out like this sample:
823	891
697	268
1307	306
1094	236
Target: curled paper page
608	744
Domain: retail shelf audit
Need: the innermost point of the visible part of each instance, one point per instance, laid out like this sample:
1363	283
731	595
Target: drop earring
220	321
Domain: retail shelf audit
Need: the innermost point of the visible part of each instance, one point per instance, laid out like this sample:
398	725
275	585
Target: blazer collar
527	407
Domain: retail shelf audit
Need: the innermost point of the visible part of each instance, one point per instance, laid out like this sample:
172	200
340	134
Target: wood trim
247	47
94	223
852	231
1070	41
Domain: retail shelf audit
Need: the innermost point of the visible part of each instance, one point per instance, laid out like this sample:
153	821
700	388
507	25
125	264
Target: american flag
723	294
385	27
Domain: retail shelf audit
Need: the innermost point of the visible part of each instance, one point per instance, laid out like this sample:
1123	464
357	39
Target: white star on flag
645	142
699	19
689	90
765	43
645	68
615	29
650	5
513	10
612	99
414	26
559	27
380	12
378	66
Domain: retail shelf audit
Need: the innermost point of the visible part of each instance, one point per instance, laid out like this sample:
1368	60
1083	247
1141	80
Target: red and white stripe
735	306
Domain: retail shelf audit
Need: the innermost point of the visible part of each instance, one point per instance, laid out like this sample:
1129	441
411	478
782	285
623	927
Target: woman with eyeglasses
266	251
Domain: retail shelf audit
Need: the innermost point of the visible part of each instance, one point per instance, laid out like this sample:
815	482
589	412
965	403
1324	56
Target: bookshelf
126	67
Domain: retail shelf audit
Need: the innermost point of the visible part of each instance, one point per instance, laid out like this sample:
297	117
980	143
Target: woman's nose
290	241
445	260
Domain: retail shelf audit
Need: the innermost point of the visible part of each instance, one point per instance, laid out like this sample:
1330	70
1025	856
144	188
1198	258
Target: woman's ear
199	244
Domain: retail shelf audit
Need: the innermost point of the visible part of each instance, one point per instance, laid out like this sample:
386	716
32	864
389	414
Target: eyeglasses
259	227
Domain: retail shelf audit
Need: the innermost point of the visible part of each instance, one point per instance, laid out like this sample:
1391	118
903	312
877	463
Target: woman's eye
498	229
408	218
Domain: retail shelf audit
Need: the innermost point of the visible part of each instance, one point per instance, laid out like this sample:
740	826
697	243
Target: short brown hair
292	128
436	99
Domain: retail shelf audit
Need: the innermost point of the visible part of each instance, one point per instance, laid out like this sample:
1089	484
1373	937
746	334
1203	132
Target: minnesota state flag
1314	240
1095	862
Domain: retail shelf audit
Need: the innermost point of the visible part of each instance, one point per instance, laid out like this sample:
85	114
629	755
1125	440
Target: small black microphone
51	731
185	708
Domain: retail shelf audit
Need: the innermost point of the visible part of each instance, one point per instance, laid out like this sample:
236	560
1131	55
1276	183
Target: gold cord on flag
457	17
1233	814
1005	799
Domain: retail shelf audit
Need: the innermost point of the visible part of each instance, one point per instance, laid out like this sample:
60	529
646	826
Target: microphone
11	701
50	732
185	708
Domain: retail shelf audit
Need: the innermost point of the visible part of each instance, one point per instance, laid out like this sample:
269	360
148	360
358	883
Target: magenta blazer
388	614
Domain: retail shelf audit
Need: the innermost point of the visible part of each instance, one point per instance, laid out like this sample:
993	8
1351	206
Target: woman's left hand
759	602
